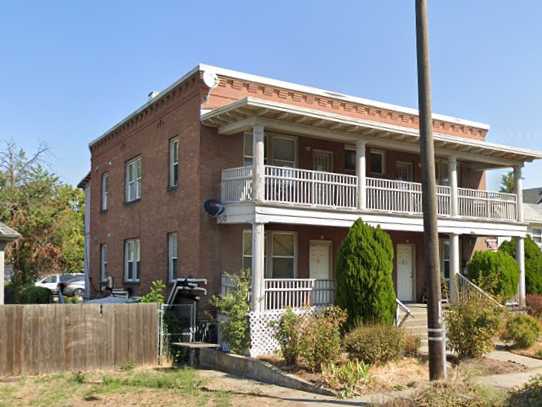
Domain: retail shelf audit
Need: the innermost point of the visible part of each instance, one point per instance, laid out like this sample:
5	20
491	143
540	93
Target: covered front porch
298	267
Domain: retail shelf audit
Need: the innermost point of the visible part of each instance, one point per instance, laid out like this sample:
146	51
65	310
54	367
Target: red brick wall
159	211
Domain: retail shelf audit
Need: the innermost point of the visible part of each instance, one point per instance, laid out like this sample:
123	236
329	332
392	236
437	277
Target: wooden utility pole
436	334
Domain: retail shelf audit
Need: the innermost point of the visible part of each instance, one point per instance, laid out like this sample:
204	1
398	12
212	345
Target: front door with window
405	272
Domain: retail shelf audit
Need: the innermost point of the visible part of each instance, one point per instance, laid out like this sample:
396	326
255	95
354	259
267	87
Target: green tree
495	272
235	307
507	182
46	212
533	263
364	276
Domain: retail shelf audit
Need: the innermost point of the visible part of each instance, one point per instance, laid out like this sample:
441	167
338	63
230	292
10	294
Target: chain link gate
177	323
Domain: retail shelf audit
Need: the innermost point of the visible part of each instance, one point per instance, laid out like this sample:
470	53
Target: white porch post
2	246
520	258
258	168
258	243
454	267
361	171
520	241
452	176
518	189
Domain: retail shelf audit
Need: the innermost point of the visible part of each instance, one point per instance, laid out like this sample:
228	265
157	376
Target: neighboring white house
6	235
533	215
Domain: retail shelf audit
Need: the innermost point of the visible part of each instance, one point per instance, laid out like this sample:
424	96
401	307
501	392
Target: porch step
417	323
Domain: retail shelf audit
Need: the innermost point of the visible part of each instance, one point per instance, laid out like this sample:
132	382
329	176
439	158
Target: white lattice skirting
262	334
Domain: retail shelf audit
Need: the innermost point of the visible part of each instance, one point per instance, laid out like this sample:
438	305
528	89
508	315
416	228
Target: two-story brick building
294	166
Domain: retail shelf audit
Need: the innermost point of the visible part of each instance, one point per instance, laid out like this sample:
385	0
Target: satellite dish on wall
213	207
210	79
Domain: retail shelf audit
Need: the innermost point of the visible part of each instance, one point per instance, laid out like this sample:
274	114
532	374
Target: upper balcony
285	186
287	183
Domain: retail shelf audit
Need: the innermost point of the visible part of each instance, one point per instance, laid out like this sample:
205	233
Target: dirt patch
534	351
487	367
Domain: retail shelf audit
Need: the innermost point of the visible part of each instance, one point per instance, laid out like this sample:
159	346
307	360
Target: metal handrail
406	310
477	289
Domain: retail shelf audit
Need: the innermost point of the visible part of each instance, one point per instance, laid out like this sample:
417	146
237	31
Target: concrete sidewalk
271	395
511	380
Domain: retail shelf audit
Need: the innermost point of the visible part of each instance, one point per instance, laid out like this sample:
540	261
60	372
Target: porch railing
236	184
307	187
297	293
486	204
320	189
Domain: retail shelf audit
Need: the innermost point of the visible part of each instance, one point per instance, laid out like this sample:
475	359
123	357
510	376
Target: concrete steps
417	323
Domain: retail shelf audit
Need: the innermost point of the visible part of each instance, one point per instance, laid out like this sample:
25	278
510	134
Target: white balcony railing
237	184
485	204
306	187
297	293
319	189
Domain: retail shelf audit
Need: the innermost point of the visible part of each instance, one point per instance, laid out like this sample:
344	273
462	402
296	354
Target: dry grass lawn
126	388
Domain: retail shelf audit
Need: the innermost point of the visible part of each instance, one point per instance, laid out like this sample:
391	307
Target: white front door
405	272
320	259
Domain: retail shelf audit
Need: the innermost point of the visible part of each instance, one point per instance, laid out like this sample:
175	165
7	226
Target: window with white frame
248	142
104	204
103	263
173	162
442	175
536	235
377	162
132	260
283	255
283	248
283	151
173	256
133	180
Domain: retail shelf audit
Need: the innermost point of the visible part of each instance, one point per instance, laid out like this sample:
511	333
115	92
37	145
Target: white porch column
520	258
454	267
518	189
2	246
361	172
258	255
258	169
452	176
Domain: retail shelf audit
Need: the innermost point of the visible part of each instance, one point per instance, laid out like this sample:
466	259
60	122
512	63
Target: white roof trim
286	85
266	104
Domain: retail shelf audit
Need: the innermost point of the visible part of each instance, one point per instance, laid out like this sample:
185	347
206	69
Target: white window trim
534	236
382	154
268	249
136	259
274	136
172	256
104	262
272	256
174	146
104	192
137	180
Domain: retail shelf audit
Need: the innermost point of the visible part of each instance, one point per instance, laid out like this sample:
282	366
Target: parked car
75	287
51	282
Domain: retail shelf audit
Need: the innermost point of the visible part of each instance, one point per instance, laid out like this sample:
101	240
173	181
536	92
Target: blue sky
70	70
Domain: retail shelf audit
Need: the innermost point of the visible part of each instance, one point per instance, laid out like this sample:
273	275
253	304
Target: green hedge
533	263
495	272
35	295
364	276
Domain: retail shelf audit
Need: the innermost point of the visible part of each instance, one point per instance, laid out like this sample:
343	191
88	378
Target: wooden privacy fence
47	338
